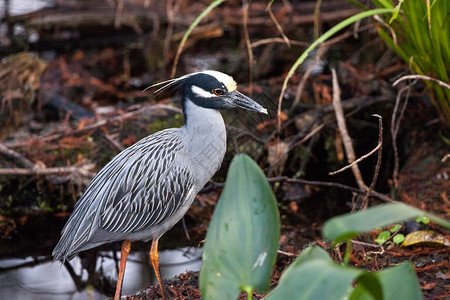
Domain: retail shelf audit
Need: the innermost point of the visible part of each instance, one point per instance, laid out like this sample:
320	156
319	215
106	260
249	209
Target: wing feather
140	188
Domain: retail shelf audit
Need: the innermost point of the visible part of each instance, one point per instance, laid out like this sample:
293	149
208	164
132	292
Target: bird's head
209	89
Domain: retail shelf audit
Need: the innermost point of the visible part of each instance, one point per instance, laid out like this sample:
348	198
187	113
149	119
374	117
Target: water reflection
51	280
20	7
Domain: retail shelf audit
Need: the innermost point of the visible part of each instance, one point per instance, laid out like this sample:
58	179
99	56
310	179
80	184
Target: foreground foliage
242	243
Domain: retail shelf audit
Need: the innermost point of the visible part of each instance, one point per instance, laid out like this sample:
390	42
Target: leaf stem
348	252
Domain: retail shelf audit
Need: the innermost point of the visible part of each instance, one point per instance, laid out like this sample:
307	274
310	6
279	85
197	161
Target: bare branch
365	201
149	109
277	24
351	157
83	170
424	77
245	7
395	125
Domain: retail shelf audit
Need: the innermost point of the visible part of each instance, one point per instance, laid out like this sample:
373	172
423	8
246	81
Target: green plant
242	242
423	220
418	31
385	235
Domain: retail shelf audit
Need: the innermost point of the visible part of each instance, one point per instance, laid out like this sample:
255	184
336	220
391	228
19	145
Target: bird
148	187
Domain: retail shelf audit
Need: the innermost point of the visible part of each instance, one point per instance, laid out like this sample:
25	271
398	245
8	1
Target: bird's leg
154	258
126	246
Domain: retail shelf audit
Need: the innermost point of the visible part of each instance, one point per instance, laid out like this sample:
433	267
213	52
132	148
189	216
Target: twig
218	185
16	156
37	170
297	143
305	77
365	201
277	24
171	10
445	158
365	244
391	237
278	41
351	157
382	22
395	125
286	253
326	44
245	7
114	144
145	109
118	15
355	162
317	18
75	172
424	77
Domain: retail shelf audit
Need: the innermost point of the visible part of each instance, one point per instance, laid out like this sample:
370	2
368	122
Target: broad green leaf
242	240
346	226
399	283
313	275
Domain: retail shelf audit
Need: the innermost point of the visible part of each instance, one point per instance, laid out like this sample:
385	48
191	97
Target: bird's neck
205	137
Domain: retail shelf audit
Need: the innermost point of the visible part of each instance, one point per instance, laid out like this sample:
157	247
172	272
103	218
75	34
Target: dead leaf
425	237
277	154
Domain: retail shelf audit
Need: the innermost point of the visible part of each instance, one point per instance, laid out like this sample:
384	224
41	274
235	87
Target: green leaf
382	237
396	11
242	240
313	275
399	283
340	228
395	228
422	219
398	238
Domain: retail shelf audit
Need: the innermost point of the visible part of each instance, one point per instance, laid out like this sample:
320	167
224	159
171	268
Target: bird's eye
218	92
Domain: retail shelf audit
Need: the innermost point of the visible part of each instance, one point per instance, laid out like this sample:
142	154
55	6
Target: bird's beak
240	100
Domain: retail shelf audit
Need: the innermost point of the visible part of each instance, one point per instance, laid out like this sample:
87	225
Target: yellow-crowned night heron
147	188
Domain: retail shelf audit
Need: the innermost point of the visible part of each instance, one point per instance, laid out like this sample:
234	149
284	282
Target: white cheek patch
201	92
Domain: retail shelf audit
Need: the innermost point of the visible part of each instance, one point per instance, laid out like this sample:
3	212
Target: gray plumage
147	188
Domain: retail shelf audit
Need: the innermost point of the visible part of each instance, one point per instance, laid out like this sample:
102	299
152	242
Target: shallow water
51	280
19	7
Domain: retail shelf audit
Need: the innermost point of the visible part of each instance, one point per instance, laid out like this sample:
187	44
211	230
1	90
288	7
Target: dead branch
277	24
424	77
395	125
351	157
365	201
77	174
148	109
83	170
445	158
355	162
218	185
16	156
245	8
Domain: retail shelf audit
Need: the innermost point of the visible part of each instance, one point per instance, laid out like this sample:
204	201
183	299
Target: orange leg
126	246
154	258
